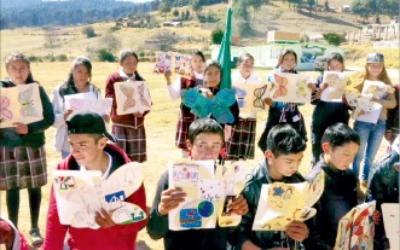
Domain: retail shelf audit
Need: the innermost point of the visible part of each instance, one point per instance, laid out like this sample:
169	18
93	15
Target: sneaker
36	238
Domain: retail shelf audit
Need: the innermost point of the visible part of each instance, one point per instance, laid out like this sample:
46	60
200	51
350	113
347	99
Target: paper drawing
205	194
280	203
218	106
163	62
250	98
80	194
132	97
183	65
362	102
356	228
390	214
26	108
290	88
88	102
337	82
377	89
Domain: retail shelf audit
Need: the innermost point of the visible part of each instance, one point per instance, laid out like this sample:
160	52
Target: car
320	63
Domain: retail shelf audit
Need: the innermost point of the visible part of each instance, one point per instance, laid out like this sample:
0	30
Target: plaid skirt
132	141
241	143
22	167
182	129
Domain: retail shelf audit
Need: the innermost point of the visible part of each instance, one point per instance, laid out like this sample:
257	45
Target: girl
128	129
280	112
326	114
240	145
78	82
174	89
22	152
371	134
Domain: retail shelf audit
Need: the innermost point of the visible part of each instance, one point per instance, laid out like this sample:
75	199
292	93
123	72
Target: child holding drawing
174	89
339	144
240	145
325	113
23	156
371	133
285	148
87	136
128	129
205	141
78	82
280	112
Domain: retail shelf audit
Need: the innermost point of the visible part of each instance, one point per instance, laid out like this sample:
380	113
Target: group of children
82	141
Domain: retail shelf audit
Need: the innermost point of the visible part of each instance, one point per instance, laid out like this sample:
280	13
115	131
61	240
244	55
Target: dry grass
160	126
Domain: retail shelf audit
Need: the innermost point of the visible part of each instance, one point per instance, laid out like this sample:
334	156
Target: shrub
334	38
105	56
89	32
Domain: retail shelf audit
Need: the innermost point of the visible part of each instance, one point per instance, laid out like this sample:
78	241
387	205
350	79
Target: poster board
356	228
250	97
290	88
21	103
391	215
183	65
206	194
163	62
80	194
280	203
132	97
337	82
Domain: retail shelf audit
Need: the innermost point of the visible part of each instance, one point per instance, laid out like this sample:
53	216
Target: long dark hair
15	56
123	54
284	53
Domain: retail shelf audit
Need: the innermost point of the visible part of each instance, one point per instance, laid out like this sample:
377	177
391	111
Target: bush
105	56
35	59
89	32
334	38
61	58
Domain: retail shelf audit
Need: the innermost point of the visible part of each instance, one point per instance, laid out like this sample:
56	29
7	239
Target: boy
87	137
206	139
383	187
339	144
284	151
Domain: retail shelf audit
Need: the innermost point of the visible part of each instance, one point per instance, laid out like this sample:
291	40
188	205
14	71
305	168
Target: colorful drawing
290	88
356	228
259	94
183	65
79	195
88	102
163	62
280	203
218	106
250	97
240	95
206	191
27	107
377	89
362	102
337	82
132	97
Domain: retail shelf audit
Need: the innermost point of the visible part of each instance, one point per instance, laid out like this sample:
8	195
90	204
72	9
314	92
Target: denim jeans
370	139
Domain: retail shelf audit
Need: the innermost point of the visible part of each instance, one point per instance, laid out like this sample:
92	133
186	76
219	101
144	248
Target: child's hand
106	118
67	113
170	199
268	101
376	217
103	219
323	86
167	75
238	206
297	230
21	128
311	86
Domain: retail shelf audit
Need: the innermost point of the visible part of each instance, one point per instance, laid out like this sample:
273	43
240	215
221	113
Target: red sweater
128	119
119	237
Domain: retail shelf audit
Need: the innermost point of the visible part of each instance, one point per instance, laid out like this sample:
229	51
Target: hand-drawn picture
362	102
27	108
132	97
163	62
250	98
356	228
290	88
217	106
79	195
337	82
88	102
280	203
183	65
377	89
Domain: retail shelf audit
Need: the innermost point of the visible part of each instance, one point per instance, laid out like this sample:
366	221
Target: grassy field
160	126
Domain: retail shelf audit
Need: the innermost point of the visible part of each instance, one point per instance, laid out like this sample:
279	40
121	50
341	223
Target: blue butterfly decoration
218	106
241	94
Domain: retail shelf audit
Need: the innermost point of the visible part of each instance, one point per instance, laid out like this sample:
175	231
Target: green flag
224	55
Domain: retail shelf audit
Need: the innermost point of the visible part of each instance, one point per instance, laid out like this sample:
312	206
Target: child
383	186
128	129
371	134
285	147
339	144
78	82
206	139
11	237
326	114
392	122
174	89
87	136
22	151
280	112
240	145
